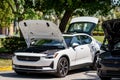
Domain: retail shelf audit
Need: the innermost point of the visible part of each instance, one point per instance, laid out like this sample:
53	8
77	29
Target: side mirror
75	45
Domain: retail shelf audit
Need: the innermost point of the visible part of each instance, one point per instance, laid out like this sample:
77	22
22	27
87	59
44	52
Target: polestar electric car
50	51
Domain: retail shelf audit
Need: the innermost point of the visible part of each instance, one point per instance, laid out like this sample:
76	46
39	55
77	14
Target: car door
83	50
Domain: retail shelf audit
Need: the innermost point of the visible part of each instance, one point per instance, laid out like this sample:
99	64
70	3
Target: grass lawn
5	62
99	38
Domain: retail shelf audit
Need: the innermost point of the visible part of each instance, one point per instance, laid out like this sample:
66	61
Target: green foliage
101	6
90	6
13	43
27	9
6	15
68	7
3	50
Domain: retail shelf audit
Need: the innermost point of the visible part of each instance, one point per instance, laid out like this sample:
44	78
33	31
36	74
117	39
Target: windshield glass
47	42
81	27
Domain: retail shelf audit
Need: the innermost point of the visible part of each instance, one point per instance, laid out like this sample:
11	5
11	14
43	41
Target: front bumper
109	67
33	69
40	66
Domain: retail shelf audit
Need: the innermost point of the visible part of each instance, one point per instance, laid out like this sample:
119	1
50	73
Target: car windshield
79	27
48	42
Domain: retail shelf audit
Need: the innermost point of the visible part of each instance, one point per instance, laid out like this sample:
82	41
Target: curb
6	68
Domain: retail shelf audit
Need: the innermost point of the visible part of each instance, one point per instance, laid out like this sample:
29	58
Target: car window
81	27
67	40
85	39
75	39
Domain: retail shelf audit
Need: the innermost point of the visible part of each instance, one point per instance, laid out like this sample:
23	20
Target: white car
51	51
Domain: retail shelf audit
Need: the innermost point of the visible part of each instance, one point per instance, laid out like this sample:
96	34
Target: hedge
13	43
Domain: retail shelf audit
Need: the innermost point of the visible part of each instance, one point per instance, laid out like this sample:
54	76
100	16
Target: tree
69	6
65	7
6	15
22	9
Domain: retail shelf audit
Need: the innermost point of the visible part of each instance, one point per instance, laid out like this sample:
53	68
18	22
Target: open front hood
112	32
39	29
82	25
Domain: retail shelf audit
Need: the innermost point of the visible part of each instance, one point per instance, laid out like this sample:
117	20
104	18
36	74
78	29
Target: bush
98	33
13	43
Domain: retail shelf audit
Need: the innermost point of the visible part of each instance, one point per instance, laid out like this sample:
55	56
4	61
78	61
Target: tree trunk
65	20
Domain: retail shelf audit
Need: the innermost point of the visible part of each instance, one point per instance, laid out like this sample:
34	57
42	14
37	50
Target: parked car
108	61
51	51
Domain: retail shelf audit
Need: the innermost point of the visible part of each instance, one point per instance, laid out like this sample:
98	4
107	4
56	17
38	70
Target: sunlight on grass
5	62
99	38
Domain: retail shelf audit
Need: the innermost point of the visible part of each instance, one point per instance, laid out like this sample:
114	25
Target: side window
85	39
75	39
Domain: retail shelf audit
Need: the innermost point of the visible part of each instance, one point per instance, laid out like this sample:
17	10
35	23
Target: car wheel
94	63
62	67
101	77
94	66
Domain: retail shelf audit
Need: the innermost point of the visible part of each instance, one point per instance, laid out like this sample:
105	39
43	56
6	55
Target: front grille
28	58
117	73
115	53
111	62
28	67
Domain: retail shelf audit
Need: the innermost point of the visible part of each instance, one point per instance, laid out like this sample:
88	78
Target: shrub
98	33
13	43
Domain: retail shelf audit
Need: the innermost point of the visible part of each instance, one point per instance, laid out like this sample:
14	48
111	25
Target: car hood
39	29
112	32
89	23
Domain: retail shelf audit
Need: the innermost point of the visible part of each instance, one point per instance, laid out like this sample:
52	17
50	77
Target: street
80	74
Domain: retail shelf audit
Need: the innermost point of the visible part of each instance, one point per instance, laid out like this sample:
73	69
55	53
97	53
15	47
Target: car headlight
52	55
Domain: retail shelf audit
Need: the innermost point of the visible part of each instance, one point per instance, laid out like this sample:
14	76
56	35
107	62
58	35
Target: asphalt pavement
79	74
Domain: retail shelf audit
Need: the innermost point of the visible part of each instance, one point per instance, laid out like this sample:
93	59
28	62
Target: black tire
102	77
105	78
94	63
62	67
94	66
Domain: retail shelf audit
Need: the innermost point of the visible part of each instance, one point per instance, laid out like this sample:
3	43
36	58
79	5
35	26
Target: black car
108	61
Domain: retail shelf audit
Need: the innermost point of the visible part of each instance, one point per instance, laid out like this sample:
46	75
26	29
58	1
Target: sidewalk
6	68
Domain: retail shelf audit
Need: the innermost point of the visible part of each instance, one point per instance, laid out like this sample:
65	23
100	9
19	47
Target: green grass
5	62
99	38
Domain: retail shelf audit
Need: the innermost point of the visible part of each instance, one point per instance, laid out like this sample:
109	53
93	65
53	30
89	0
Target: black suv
108	61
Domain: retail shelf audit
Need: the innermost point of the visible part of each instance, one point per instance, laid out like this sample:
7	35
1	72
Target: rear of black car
108	62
